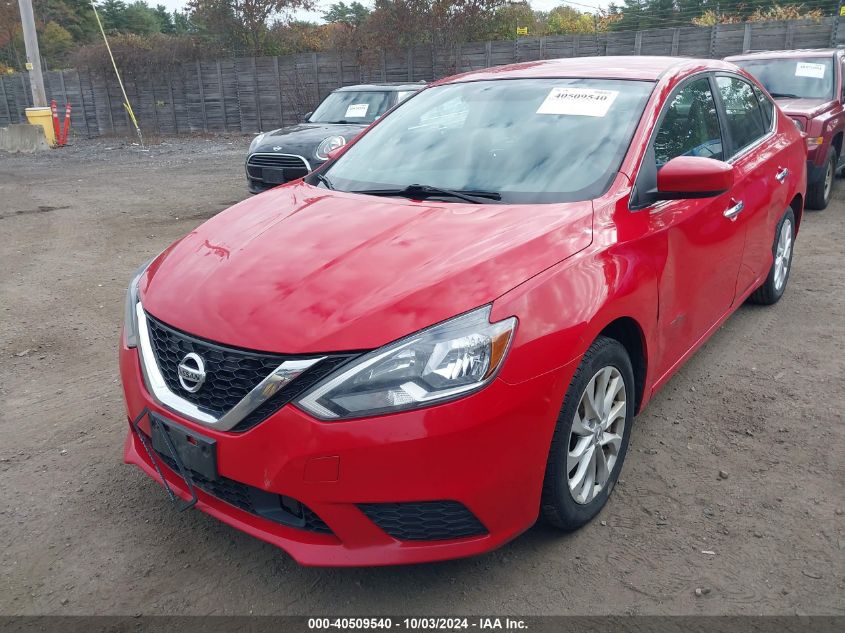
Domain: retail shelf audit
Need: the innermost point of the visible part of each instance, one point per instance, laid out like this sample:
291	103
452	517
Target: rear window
793	78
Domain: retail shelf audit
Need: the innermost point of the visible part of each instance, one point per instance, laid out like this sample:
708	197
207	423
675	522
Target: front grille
424	520
231	373
278	508
294	166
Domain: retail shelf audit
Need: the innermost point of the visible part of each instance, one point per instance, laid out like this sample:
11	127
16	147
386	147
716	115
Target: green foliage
54	42
353	14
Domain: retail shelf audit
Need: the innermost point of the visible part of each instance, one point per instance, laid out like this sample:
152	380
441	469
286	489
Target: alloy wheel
828	180
596	436
783	253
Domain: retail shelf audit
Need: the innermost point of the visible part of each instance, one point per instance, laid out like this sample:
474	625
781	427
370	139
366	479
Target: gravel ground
81	533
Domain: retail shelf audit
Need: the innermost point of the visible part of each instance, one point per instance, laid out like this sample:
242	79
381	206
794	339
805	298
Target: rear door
761	172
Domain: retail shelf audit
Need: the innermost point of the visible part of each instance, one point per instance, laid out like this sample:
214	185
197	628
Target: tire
773	288
820	193
559	506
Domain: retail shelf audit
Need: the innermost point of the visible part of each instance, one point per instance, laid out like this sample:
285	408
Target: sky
322	5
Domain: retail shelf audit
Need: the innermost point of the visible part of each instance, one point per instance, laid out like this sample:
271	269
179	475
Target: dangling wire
126	103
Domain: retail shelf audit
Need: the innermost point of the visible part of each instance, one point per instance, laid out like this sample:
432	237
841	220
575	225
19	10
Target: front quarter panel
562	310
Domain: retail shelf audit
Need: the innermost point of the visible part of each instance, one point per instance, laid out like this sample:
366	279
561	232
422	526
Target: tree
564	19
54	42
242	22
352	14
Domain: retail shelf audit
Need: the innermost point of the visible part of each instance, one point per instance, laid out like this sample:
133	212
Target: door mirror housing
307	116
693	177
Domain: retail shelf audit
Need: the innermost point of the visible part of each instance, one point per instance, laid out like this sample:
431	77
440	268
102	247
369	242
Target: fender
580	297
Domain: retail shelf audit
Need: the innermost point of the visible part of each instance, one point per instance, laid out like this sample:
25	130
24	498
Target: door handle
732	212
781	175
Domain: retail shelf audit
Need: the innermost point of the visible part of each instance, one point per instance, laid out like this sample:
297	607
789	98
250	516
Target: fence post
82	103
790	33
222	96
383	65
489	51
202	95
676	38
172	102
746	38
713	30
6	100
279	87
543	47
638	43
410	58
258	95
834	35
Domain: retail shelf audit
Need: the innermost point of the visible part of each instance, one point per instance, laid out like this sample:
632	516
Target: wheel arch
797	206
836	143
628	332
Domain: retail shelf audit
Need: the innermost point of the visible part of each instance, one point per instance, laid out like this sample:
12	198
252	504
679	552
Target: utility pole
33	57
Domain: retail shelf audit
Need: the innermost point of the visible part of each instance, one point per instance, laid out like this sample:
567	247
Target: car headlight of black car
256	142
327	145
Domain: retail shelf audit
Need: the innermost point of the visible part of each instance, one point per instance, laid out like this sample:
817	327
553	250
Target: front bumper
486	451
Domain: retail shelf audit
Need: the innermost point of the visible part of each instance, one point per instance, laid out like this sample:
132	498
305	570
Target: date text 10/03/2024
419	624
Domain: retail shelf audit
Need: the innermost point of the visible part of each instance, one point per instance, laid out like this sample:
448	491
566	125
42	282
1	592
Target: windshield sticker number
578	101
806	69
357	110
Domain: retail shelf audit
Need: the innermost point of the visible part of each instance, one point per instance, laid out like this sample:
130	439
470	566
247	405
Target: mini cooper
447	330
288	153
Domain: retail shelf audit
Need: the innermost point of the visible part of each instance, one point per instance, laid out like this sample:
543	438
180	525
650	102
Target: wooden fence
256	94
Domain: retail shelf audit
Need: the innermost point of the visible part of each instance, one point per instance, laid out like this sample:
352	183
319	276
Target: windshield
804	77
529	140
352	107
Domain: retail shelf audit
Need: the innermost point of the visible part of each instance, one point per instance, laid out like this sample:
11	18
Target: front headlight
439	363
130	317
327	145
256	142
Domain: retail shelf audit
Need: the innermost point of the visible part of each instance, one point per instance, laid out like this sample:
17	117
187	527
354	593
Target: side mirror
693	177
307	116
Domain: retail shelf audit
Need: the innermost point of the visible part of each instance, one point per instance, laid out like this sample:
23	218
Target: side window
744	116
767	106
690	126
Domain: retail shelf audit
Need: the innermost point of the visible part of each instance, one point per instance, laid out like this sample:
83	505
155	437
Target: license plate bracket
196	452
274	175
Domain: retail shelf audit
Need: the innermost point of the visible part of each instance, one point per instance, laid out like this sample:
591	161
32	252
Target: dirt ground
82	533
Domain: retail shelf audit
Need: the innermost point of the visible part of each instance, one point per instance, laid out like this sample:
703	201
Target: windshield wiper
321	178
426	191
784	95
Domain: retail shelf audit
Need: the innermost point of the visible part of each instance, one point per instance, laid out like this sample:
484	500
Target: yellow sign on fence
522	30
842	11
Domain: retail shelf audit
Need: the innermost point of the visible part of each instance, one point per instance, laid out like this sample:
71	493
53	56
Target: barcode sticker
806	69
578	101
357	110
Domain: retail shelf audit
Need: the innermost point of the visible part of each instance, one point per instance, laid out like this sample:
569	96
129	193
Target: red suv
808	87
446	331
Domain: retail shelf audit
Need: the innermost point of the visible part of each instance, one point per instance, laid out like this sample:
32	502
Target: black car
289	153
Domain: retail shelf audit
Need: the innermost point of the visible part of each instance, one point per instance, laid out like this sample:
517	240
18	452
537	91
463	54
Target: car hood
308	135
302	269
804	107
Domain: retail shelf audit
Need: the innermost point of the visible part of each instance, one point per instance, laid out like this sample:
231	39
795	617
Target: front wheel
591	436
772	289
819	193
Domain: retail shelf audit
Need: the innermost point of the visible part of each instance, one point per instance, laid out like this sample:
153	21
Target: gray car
282	155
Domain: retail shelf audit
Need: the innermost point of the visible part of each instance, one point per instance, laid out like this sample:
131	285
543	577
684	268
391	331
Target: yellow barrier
44	118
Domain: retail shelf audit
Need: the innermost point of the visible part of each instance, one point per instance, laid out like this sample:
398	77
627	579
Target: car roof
644	67
802	52
383	87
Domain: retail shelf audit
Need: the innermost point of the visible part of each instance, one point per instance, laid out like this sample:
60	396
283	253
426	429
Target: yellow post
44	118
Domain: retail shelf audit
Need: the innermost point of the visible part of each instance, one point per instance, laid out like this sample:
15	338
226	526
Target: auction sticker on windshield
578	101
807	69
357	110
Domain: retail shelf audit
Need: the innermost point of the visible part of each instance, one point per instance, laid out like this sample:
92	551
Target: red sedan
447	330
